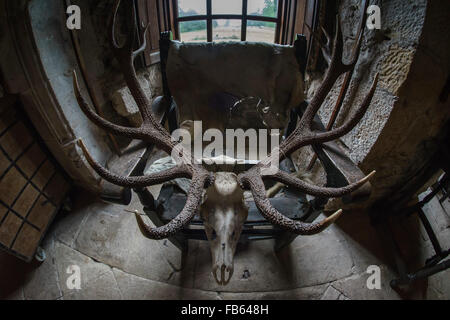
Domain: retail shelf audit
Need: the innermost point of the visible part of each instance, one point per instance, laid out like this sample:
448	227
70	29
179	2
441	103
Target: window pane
261	31
191	7
226	7
227	30
266	8
193	31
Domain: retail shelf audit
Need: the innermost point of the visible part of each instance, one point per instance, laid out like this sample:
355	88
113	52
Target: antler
153	132
150	131
302	136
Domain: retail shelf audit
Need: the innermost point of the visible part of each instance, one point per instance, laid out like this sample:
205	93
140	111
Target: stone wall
32	187
105	77
37	56
410	53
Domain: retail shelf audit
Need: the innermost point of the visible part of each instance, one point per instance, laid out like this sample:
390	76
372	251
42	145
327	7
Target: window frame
244	17
162	15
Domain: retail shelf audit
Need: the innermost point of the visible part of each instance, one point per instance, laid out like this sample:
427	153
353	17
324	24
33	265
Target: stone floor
117	262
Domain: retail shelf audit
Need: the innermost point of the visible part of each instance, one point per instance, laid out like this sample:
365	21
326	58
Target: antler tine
296	183
352	121
111	25
327	36
335	69
126	55
95	118
360	33
126	49
190	209
304	135
201	178
149	134
326	50
180	171
157	136
129	42
275	217
144	42
150	131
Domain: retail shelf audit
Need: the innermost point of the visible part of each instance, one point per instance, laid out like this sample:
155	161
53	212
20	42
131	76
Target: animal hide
234	84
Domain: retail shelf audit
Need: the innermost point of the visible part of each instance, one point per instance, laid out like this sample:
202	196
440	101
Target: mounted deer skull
223	208
224	212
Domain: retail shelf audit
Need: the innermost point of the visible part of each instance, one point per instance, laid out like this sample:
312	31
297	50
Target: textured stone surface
136	288
312	264
395	68
388	51
355	287
333	294
112	236
90	270
117	262
411	55
42	282
309	293
102	288
436	214
67	225
256	268
124	103
362	241
439	286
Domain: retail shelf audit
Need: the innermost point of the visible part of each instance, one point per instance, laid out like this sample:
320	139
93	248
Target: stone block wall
410	53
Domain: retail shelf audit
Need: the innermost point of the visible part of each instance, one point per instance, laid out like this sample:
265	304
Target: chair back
233	84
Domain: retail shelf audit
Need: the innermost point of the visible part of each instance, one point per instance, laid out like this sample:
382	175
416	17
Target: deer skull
224	212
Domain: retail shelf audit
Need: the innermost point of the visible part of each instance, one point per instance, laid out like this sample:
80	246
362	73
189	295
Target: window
231	20
276	21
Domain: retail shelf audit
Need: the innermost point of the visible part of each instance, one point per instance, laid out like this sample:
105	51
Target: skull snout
223	263
223	212
223	273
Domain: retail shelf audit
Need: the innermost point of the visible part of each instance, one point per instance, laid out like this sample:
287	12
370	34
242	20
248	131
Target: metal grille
31	187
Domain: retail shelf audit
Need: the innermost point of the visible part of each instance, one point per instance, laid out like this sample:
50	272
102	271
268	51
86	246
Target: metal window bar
244	17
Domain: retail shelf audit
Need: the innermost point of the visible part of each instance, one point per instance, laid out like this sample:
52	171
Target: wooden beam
209	31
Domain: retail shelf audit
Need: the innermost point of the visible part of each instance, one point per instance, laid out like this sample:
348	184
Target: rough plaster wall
124	103
413	68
